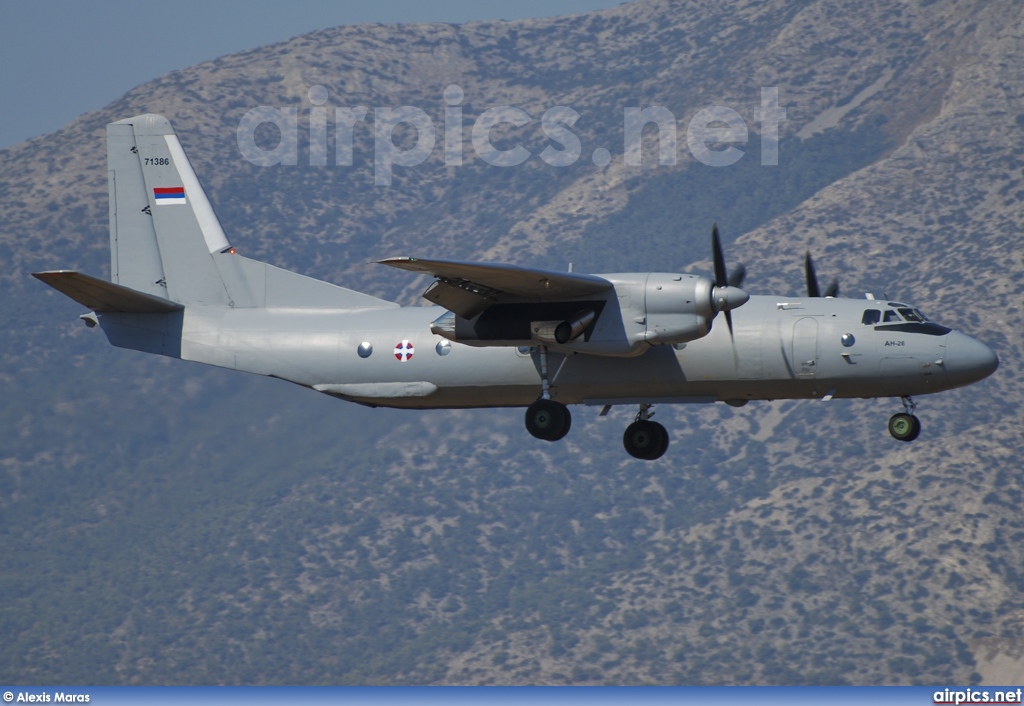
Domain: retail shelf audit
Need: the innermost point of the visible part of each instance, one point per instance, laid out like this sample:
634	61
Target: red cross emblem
404	351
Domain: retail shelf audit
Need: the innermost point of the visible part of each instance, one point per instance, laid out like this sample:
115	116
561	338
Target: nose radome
968	360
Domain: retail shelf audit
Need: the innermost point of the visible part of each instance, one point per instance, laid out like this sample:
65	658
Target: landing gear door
908	375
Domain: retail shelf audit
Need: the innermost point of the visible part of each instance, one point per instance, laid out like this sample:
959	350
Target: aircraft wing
468	288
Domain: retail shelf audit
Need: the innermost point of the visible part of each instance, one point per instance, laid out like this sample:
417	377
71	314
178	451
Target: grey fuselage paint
780	348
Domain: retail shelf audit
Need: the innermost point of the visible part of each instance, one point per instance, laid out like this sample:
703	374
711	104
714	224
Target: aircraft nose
968	360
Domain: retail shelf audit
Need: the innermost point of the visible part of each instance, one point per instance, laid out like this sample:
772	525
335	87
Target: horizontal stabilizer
104	297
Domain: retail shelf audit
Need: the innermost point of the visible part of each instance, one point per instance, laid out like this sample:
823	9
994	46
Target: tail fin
166	241
162	228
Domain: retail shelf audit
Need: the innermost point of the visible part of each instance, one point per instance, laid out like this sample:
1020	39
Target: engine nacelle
562	332
644	309
678	308
526	324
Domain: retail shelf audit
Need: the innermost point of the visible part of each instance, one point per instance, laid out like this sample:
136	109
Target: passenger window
911	315
871	316
891	315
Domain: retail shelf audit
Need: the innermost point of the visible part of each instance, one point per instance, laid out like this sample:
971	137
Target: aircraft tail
166	241
105	297
163	232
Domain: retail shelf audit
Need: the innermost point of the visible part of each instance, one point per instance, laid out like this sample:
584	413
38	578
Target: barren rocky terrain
162	522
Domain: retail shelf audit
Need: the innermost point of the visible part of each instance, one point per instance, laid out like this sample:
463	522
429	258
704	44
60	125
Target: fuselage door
805	347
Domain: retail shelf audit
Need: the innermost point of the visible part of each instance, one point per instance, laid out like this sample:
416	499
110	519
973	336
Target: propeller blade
832	290
721	276
737	276
727	294
812	278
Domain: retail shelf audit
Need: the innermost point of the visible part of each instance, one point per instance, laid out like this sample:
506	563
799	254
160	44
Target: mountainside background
163	522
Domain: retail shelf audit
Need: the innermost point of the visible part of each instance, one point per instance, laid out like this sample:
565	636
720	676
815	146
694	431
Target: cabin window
871	316
891	315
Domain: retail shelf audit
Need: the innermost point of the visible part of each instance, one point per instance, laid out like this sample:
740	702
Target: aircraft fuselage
781	348
500	335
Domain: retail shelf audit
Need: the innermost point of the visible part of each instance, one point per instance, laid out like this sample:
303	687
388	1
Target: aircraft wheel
917	427
904	427
645	440
664	440
548	420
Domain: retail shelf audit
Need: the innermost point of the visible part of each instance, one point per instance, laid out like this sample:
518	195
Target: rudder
163	231
166	241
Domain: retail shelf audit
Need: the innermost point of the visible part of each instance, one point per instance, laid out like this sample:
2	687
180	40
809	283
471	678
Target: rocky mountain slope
168	523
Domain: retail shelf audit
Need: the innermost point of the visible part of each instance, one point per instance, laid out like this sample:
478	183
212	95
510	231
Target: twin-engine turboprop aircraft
497	335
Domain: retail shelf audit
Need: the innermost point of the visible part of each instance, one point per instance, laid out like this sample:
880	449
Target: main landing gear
905	426
550	421
545	418
645	439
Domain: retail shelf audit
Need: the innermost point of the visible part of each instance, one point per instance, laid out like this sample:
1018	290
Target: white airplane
497	335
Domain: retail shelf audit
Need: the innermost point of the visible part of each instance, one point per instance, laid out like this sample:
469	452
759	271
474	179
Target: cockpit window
871	316
912	321
912	315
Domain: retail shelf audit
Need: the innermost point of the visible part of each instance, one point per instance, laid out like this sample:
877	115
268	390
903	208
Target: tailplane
105	297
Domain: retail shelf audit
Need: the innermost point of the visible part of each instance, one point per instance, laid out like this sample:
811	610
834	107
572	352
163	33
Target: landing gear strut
905	426
545	418
645	439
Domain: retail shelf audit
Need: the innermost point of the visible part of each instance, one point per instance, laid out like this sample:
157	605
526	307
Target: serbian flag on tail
169	195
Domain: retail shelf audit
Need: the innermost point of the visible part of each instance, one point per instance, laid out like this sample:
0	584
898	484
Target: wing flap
465	300
105	297
489	280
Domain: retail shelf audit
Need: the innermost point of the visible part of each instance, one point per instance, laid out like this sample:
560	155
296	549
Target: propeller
812	280
727	294
737	276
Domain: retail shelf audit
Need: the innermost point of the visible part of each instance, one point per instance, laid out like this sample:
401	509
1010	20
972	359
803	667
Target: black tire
645	440
917	428
904	427
548	420
664	441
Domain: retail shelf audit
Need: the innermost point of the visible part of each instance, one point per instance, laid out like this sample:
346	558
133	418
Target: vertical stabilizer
134	255
166	241
163	231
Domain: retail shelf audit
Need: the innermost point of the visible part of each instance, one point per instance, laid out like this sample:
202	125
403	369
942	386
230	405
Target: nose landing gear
905	426
645	439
